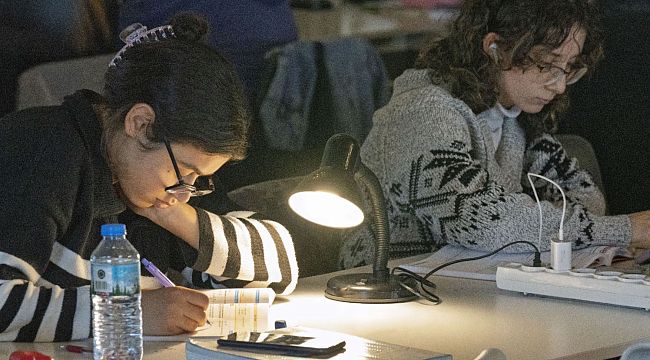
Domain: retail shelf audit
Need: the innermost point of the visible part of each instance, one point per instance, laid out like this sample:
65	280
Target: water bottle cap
113	230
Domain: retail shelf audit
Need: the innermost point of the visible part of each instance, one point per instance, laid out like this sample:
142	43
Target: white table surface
474	315
387	20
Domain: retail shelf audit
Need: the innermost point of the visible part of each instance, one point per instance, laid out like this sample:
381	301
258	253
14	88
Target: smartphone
298	344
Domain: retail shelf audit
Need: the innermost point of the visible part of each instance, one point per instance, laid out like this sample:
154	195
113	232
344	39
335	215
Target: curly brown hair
459	61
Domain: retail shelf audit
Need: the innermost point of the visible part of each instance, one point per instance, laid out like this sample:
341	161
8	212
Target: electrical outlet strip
608	287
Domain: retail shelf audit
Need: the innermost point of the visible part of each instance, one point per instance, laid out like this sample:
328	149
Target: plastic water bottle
115	290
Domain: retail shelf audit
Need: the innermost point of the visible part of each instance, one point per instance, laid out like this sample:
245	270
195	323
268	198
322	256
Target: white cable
539	205
560	250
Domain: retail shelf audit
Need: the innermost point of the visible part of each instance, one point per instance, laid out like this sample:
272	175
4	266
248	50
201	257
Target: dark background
611	109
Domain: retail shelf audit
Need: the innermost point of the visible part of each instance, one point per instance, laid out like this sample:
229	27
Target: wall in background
35	31
612	108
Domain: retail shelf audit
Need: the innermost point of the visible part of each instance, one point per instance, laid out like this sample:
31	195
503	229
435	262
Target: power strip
608	287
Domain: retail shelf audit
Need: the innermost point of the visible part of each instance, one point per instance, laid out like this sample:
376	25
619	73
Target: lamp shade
329	196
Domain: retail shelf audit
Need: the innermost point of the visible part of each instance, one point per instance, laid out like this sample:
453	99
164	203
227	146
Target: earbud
495	54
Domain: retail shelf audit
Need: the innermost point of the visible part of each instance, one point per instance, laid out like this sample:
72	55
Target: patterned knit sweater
446	183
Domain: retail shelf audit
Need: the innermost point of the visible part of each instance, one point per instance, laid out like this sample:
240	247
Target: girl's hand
173	310
640	229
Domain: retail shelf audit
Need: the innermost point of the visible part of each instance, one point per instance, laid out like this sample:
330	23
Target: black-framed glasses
202	186
551	73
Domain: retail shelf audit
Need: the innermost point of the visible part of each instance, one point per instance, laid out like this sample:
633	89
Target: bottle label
115	280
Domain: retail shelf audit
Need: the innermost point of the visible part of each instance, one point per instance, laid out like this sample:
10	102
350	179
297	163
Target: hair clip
137	33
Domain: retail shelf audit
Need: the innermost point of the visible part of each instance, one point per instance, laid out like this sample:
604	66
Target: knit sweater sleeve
243	249
545	156
427	156
33	307
33	310
237	248
38	208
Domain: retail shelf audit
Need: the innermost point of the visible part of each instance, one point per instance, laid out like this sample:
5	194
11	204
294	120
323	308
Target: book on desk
357	348
231	310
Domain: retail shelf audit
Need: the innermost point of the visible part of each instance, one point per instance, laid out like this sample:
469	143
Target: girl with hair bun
171	114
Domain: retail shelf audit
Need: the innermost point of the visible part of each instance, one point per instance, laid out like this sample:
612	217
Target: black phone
299	344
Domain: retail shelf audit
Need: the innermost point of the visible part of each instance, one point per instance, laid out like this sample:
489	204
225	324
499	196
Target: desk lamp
330	197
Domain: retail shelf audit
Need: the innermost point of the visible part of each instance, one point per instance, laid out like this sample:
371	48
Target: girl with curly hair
454	145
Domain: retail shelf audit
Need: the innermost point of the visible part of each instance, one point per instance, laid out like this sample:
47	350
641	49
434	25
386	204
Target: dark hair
459	60
194	91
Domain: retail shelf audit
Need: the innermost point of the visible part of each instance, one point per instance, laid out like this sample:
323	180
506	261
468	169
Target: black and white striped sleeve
33	309
242	250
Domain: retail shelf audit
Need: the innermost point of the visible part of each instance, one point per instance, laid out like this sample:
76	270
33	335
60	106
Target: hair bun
189	26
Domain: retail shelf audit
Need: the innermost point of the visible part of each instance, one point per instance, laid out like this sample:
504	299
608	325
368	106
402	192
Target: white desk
391	27
388	21
473	315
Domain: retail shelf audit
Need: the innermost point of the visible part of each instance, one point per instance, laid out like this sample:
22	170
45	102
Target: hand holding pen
161	277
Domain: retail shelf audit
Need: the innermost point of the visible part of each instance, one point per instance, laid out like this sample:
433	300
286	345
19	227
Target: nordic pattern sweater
445	183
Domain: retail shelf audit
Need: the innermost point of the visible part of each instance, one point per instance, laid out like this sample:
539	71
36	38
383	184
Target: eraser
280	324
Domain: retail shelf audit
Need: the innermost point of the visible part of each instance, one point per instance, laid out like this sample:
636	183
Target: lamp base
364	288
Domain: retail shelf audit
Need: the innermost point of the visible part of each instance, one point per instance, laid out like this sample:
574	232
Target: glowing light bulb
326	209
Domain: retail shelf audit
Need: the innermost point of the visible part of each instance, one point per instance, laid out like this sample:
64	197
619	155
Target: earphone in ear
493	49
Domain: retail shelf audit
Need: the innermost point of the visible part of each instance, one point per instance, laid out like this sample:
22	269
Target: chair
47	84
637	351
311	91
34	32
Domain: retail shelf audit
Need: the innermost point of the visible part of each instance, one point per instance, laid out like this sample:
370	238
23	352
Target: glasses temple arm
171	156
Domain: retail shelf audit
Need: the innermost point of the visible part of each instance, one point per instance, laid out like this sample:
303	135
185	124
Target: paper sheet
486	269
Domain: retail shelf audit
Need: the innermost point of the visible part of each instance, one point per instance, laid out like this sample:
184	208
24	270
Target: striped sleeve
243	251
32	309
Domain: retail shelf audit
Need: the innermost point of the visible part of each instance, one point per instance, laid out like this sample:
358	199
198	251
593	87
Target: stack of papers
486	269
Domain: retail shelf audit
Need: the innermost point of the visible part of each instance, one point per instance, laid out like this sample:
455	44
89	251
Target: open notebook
231	310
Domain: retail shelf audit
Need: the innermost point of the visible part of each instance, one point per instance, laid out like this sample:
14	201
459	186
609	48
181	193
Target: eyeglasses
550	74
202	186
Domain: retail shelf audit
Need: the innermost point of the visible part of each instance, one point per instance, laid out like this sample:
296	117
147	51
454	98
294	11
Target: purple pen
162	278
